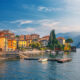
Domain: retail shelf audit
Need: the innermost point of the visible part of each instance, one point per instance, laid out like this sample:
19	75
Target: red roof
61	38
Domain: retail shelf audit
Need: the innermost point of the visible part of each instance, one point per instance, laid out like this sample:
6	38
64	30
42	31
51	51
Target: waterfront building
22	44
67	47
7	34
28	37
29	42
12	44
61	40
44	41
35	36
3	44
22	37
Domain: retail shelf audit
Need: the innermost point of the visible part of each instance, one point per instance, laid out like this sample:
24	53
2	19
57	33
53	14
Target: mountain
74	35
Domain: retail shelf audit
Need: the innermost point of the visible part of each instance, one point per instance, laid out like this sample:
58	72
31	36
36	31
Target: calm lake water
34	70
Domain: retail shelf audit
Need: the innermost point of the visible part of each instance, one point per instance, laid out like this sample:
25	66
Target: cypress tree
53	42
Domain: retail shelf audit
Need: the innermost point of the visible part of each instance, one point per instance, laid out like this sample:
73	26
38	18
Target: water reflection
34	70
65	55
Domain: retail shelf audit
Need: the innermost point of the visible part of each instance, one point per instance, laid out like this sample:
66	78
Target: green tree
69	40
35	45
17	36
53	42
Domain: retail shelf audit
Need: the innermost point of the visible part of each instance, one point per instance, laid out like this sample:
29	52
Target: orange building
67	47
12	44
35	36
7	34
3	44
28	37
22	37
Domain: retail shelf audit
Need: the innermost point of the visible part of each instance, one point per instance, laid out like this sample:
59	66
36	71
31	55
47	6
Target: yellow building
12	44
22	43
67	47
3	44
29	42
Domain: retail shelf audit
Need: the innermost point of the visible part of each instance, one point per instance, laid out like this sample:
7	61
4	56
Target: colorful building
28	37
22	37
67	47
22	44
3	44
12	44
61	40
44	41
29	42
35	36
7	34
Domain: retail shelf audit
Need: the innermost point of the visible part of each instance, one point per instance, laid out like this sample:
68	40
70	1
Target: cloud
44	26
28	29
48	23
25	22
49	9
21	22
73	6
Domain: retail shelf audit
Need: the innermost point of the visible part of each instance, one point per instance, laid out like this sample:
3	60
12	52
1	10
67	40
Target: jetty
64	60
51	59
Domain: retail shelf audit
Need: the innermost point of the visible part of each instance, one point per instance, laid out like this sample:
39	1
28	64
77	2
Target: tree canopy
17	35
35	45
69	40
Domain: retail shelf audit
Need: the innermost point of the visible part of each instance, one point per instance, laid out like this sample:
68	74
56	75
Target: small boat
53	52
60	52
42	59
48	50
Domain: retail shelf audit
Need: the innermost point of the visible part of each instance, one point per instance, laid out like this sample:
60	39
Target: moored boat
42	59
53	52
61	52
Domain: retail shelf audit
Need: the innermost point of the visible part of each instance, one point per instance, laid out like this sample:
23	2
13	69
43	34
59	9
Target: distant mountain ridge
74	35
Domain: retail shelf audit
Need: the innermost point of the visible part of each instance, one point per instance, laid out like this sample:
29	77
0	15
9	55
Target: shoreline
12	55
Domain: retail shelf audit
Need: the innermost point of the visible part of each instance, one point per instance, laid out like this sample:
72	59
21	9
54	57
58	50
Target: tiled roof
61	38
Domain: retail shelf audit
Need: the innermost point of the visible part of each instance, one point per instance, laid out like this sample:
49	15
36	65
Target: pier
51	59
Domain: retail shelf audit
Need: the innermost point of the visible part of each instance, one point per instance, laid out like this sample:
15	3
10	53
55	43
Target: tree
35	45
69	40
53	42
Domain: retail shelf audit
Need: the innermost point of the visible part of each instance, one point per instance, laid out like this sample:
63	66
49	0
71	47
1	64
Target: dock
51	59
64	60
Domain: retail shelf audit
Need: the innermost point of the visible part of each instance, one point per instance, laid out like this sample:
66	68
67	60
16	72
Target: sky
40	16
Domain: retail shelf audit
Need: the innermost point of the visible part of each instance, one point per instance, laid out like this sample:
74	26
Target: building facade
35	36
61	40
3	44
44	41
7	34
22	44
12	44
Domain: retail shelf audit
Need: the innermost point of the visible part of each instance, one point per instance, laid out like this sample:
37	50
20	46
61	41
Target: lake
34	70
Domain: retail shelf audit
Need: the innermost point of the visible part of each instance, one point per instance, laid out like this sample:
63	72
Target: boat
42	59
48	50
61	52
53	52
